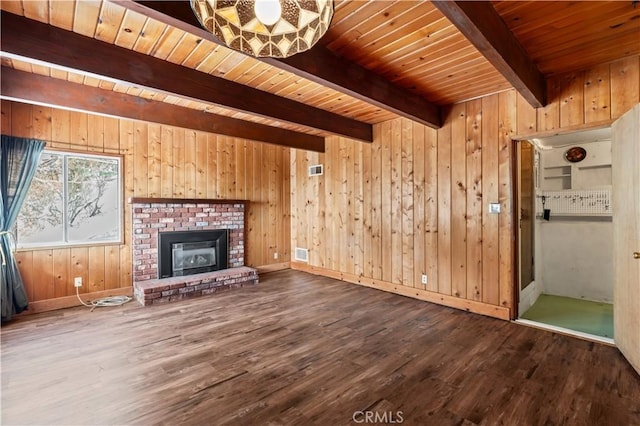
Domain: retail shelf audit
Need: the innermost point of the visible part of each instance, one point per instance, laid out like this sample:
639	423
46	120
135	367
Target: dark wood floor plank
307	350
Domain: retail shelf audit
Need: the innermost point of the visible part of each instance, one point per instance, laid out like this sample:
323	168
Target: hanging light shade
266	28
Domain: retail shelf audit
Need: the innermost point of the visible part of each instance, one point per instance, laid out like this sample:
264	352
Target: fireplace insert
192	252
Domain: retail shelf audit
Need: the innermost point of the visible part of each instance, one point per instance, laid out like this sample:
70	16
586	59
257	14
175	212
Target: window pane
40	219
93	195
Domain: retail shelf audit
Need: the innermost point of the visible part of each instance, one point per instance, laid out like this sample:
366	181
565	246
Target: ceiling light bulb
268	11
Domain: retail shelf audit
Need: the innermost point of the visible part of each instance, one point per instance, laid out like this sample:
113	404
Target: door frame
516	198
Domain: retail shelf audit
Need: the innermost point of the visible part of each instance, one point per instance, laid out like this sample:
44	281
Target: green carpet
579	315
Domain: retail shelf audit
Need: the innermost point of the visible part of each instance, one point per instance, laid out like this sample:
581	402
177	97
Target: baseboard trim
72	301
473	306
273	267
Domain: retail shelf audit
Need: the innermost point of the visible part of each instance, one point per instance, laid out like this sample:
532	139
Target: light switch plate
494	208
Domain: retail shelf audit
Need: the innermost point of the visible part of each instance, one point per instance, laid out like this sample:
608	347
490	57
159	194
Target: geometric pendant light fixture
266	28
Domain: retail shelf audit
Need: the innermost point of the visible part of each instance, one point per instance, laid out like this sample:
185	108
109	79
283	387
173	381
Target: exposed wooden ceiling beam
37	89
31	41
485	29
318	64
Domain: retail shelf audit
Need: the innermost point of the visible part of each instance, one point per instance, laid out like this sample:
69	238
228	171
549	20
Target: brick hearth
153	216
177	288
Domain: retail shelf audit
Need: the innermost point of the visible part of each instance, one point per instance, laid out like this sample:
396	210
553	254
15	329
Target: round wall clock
575	154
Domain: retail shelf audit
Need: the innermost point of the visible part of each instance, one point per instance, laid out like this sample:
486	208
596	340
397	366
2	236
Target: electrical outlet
275	255
424	278
77	282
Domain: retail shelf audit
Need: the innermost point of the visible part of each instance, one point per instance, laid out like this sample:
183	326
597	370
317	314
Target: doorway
565	234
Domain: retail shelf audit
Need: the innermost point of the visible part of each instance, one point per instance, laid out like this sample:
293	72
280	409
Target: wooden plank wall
159	161
415	201
382	214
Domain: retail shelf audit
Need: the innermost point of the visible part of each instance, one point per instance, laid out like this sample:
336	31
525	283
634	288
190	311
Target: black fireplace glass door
192	252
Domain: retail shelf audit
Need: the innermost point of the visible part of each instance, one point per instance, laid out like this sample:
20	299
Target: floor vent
315	170
302	254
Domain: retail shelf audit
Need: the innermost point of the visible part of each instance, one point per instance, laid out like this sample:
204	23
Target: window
73	199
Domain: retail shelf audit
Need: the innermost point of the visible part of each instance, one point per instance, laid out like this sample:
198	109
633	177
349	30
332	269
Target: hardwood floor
308	350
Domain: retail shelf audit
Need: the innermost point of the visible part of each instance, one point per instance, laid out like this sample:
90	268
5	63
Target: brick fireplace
152	217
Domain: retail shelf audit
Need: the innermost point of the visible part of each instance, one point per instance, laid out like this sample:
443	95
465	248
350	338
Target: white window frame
66	243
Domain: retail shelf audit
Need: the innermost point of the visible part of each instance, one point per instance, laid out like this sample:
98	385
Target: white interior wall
574	256
576	259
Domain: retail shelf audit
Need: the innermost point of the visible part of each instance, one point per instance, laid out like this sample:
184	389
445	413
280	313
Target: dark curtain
18	163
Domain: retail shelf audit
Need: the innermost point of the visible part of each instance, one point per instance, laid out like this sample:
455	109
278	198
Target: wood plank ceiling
379	59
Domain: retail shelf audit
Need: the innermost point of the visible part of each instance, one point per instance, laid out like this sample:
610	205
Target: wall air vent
315	170
302	254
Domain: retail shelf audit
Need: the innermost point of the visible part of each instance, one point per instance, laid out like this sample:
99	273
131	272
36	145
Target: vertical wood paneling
264	219
284	206
302	213
140	158
240	168
413	201
458	201
126	133
358	203
348	168
212	166
201	166
420	256
549	115
112	272
60	123
190	167
625	85
111	135
79	131
597	94
224	174
385	201
474	199
62	278
367	211
41	123
506	119
24	259
426	192
346	194
21	121
166	162
276	210
396	201
79	266
256	237
95	259
44	284
408	278
572	100
5	116
270	219
490	194
95	133
330	214
376	205
527	116
178	190
431	251
444	206
154	161
158	161
319	214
